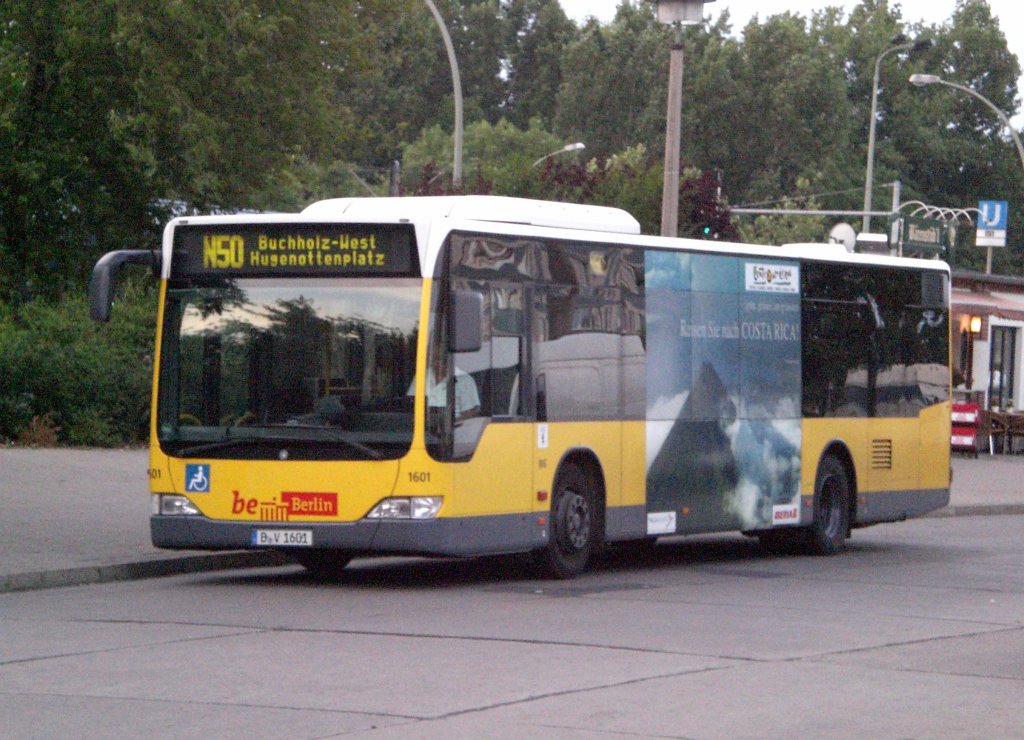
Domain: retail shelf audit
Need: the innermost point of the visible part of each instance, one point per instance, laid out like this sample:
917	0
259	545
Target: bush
64	378
40	432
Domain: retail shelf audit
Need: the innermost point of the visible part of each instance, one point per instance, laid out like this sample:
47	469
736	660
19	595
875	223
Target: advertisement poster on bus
723	392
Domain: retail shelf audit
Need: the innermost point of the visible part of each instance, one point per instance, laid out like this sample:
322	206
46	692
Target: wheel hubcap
575	517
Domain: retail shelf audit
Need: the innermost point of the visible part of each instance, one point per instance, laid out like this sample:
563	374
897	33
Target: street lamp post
577	147
457	91
920	80
677	13
901	44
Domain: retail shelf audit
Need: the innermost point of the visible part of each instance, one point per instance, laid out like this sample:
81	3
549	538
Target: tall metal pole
457	88
673	133
870	169
897	193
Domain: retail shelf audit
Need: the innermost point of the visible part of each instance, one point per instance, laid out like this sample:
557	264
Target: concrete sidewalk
77	516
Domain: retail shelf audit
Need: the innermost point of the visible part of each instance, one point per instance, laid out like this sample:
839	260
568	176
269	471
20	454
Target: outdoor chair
988	429
1014	430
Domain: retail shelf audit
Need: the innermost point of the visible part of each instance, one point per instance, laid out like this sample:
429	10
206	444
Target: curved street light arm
1002	116
576	147
457	88
923	79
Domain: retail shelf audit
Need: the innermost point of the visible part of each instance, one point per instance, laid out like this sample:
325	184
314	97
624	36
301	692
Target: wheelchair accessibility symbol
197	478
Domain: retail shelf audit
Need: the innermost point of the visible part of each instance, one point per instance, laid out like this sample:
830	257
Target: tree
538	32
498	154
226	92
401	86
793	118
613	84
633	180
951	149
113	110
68	187
788	229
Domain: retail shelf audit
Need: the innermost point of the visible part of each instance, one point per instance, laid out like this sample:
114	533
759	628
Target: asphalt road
79	516
916	631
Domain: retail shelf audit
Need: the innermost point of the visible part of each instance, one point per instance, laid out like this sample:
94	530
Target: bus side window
494	368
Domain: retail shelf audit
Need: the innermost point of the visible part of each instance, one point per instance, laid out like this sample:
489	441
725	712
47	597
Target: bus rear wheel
831	526
322	563
827	533
573	527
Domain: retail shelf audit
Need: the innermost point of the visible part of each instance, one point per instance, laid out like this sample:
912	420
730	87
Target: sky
1009	12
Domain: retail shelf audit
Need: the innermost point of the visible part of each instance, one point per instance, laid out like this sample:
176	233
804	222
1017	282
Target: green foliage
613	83
113	110
68	187
789	229
226	92
778	230
634	180
538	32
87	383
499	154
503	160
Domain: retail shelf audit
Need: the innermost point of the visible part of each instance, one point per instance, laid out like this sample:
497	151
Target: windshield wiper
221	444
333	435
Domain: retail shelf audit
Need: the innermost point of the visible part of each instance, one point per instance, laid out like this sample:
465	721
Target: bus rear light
170	505
416	507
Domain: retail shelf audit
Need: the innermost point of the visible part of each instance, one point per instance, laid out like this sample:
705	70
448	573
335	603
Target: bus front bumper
463	536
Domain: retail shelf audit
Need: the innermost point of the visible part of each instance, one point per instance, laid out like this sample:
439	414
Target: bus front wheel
573	525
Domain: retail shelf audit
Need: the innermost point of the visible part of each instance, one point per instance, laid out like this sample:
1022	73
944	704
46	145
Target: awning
967	301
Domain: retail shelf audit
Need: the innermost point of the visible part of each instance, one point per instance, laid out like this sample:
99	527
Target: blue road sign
992	215
992	223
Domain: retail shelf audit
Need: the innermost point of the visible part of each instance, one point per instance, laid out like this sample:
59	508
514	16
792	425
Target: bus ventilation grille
881	454
933	290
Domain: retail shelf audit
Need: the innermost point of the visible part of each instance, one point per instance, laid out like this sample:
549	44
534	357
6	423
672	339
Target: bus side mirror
465	321
101	285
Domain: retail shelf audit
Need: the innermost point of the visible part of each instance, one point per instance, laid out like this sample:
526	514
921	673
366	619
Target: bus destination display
293	249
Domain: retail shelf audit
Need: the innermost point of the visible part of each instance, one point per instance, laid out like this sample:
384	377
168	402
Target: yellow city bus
472	375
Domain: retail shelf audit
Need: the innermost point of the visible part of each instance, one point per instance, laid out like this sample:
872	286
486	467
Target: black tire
831	526
322	563
574	526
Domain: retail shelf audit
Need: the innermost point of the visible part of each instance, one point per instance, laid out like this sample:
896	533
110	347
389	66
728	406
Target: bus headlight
415	507
170	505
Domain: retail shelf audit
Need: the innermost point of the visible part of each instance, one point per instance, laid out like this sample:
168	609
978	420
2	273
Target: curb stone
92	575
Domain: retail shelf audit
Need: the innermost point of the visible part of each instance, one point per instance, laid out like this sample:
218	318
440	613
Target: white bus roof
492	208
433	217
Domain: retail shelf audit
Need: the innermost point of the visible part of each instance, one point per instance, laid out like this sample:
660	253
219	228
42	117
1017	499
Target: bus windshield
305	368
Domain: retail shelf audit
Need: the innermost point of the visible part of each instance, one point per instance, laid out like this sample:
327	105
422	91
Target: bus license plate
282	538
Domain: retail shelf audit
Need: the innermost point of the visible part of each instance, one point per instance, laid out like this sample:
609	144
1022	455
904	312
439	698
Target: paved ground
74	516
